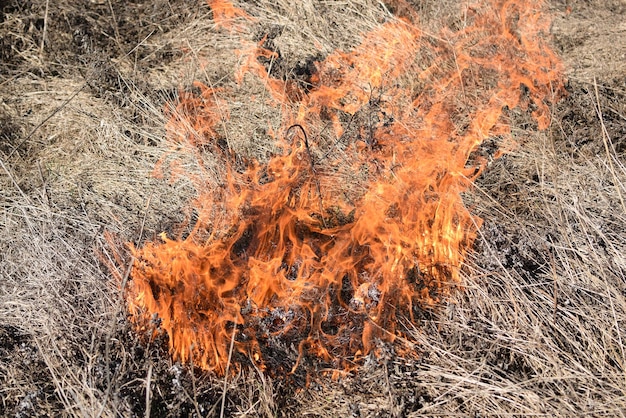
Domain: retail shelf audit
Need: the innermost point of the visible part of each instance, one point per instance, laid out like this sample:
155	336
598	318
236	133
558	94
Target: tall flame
289	249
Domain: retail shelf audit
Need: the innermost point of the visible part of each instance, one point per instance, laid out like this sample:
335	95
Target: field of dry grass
537	330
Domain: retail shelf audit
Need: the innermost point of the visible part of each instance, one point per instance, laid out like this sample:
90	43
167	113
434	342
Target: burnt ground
537	330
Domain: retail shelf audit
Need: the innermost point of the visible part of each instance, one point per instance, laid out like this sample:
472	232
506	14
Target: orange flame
225	14
287	250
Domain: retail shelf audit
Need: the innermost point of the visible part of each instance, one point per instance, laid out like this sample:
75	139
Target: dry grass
538	330
540	326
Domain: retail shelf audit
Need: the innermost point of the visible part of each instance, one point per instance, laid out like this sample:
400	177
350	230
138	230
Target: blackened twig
312	165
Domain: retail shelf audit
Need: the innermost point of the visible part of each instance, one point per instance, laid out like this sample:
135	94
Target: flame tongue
289	250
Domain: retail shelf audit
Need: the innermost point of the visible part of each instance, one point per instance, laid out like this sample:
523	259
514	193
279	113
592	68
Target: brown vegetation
537	330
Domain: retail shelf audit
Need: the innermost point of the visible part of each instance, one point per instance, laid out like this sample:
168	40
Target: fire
289	249
225	14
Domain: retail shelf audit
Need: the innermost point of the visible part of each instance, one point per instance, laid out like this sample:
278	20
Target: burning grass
536	330
283	250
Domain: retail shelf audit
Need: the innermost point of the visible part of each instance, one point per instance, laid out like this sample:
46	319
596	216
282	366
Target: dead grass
538	330
544	307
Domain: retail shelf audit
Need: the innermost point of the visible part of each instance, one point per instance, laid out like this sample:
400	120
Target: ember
289	249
